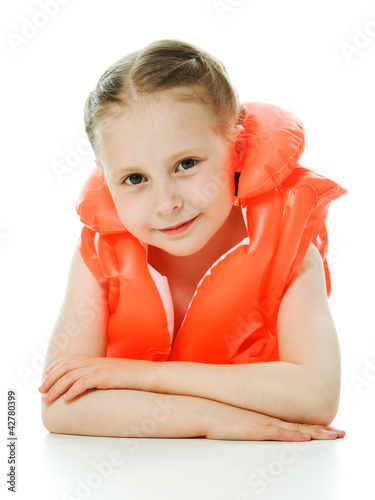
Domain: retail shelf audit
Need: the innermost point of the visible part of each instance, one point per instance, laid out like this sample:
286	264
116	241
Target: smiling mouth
179	228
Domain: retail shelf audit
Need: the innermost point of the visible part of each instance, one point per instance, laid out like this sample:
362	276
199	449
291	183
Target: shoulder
310	273
304	312
80	275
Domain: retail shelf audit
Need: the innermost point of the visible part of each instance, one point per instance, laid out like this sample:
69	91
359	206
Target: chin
183	250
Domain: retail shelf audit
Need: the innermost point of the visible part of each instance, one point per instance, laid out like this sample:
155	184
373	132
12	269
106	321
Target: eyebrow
173	158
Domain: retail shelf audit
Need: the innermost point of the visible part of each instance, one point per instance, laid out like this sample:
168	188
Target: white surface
288	53
74	467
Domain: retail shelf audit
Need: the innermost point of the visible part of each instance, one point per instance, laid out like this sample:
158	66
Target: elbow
319	398
52	419
324	416
47	418
322	407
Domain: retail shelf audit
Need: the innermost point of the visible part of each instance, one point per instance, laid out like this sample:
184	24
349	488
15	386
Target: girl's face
169	173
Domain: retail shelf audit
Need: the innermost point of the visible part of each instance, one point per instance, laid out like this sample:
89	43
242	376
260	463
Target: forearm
127	413
283	390
131	413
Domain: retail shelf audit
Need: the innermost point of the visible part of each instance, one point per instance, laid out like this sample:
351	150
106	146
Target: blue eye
134	179
186	164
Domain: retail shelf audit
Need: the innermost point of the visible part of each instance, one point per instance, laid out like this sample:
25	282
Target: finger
57	363
315	431
276	433
68	359
61	368
52	379
63	384
340	433
79	387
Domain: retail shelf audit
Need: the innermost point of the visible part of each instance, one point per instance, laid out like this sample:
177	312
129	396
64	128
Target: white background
315	59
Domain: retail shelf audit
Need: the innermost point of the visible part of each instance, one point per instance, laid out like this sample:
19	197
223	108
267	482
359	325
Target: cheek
214	187
131	213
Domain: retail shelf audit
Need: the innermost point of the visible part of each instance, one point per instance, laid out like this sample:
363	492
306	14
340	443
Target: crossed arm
279	400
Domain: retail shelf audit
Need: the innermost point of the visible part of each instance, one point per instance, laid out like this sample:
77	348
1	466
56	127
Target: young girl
196	303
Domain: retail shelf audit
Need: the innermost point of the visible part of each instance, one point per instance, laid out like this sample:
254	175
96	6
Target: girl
196	302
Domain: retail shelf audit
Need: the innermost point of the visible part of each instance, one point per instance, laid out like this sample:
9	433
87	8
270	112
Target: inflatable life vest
232	317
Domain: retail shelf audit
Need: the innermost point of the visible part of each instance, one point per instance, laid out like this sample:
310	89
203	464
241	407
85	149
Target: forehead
155	124
156	109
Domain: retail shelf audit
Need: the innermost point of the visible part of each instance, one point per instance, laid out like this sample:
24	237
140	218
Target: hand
73	375
232	423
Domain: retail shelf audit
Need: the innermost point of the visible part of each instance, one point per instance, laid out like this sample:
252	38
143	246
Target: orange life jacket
232	317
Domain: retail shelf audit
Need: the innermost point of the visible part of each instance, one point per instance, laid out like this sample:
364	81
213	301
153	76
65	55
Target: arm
118	412
304	386
126	413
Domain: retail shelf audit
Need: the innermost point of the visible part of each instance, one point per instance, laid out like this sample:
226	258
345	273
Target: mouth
178	228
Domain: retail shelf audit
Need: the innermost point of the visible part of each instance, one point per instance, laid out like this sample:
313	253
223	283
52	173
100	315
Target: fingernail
44	398
306	436
332	434
41	388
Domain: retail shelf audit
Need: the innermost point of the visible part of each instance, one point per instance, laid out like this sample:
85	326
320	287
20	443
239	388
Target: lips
178	228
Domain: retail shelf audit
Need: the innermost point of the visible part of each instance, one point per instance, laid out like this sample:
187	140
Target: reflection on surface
67	467
90	467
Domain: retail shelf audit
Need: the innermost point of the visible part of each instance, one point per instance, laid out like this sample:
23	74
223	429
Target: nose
167	198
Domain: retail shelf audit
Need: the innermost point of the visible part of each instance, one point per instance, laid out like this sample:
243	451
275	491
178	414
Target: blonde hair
165	65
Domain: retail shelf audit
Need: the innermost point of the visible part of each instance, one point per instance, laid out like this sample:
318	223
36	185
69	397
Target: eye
186	164
134	179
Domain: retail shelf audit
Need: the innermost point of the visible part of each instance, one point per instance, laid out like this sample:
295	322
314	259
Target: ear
99	164
238	144
239	128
